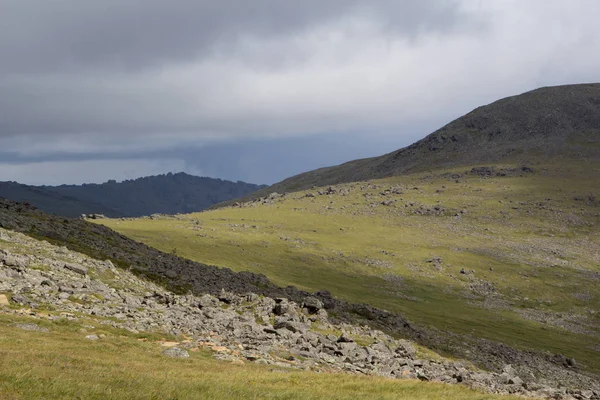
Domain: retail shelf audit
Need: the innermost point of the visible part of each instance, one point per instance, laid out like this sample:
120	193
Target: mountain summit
550	122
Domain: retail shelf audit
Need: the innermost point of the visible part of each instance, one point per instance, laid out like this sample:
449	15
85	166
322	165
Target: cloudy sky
259	90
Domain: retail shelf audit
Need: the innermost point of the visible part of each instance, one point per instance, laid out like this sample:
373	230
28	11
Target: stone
20	299
78	269
406	349
515	381
15	261
509	369
418	363
281	308
207	301
421	376
296	327
229	298
32	327
176	352
344	339
171	274
4	300
504	378
586	394
92	337
312	304
251	297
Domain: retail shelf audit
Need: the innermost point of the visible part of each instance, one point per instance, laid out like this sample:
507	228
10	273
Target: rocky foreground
36	276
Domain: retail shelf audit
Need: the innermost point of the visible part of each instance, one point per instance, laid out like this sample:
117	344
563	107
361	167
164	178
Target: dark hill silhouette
164	194
560	122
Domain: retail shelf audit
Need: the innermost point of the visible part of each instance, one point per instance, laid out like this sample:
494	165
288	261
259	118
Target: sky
261	90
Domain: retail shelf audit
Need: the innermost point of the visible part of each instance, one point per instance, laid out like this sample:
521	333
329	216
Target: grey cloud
104	80
188	68
66	35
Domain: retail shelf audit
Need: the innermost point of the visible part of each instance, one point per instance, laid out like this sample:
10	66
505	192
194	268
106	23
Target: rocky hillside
161	194
36	276
249	311
553	122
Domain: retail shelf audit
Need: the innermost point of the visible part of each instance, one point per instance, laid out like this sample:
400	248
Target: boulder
345	339
176	352
63	295
406	349
171	274
4	300
78	269
296	327
11	260
282	307
312	304
251	297
515	380
229	298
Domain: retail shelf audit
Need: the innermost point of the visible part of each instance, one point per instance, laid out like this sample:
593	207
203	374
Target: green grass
63	364
527	236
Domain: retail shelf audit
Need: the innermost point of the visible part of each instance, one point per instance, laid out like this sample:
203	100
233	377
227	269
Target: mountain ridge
166	194
545	123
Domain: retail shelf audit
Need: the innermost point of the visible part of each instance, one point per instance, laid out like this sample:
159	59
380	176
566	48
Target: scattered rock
245	327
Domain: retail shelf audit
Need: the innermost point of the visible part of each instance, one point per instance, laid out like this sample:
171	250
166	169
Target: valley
499	252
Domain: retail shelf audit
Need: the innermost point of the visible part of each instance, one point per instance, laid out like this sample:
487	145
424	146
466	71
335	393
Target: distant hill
551	122
164	194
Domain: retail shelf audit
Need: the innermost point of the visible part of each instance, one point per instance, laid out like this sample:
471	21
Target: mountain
164	194
487	228
546	123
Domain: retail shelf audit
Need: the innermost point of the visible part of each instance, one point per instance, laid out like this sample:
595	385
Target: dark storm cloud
107	82
66	35
95	71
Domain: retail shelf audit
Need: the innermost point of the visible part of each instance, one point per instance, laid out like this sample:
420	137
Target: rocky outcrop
237	327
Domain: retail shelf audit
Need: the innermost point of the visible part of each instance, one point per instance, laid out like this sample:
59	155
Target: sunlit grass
527	236
63	364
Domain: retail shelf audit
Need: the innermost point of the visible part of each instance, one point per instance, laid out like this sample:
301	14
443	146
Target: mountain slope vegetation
494	252
168	194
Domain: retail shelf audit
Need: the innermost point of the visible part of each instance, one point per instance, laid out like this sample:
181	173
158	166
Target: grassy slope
526	236
63	364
